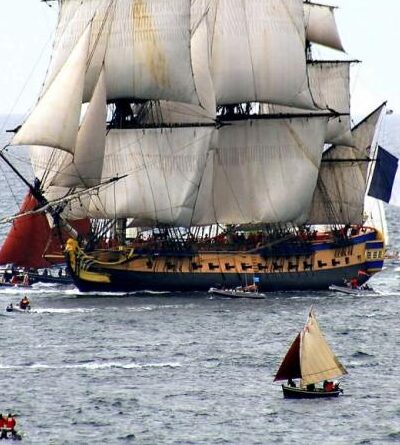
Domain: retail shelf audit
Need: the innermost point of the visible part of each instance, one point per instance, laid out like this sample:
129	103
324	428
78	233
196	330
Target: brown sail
290	366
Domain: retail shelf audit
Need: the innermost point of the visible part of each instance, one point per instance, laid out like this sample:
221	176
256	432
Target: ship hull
300	393
128	281
314	266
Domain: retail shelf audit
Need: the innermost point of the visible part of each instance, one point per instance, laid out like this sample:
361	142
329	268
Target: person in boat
354	283
25	281
311	387
3	428
336	386
24	303
291	383
14	280
251	288
10	308
328	386
10	424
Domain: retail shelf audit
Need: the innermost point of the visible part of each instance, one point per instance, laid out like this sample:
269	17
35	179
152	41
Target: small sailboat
246	291
311	360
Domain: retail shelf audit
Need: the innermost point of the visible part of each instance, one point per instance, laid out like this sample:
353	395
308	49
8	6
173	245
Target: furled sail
145	46
258	52
342	182
321	25
176	113
317	360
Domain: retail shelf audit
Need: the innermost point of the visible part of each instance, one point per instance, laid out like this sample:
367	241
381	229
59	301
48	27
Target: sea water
179	368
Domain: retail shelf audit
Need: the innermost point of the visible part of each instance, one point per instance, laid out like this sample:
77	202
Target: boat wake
94	365
62	311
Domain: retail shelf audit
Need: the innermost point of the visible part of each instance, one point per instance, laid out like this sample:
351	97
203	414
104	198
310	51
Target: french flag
385	183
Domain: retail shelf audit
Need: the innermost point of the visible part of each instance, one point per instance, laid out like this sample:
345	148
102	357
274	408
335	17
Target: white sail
85	168
317	361
321	25
145	46
55	120
375	216
330	89
201	59
164	168
190	176
342	183
46	163
258	52
261	171
330	86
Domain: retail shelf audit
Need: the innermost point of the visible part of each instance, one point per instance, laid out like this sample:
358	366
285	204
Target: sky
370	31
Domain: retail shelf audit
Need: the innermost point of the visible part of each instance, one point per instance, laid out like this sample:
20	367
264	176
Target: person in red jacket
354	283
328	386
3	429
10	424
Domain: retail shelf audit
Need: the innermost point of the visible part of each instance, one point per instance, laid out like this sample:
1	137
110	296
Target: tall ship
205	145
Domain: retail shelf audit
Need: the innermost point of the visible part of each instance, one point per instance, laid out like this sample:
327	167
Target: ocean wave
93	365
361	354
75	292
394	436
79	293
62	310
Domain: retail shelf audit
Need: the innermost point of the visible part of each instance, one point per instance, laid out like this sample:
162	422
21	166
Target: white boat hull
234	293
352	291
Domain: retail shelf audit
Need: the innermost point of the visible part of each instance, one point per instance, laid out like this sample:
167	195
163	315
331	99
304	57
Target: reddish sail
31	239
290	366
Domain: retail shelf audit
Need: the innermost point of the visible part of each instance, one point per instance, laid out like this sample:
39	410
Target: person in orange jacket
24	303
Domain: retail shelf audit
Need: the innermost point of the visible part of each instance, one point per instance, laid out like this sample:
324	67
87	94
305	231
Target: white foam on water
94	365
62	310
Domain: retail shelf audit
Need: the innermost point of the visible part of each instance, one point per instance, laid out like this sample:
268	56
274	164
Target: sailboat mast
19	174
37	194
